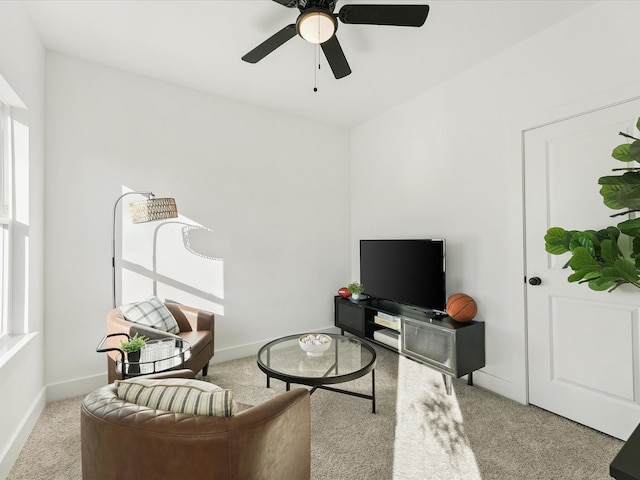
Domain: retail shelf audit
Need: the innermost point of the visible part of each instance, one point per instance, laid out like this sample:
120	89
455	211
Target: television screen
411	272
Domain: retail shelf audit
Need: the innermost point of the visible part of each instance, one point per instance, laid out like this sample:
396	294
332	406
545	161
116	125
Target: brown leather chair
122	440
196	326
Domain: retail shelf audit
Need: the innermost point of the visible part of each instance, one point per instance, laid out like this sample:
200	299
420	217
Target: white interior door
583	346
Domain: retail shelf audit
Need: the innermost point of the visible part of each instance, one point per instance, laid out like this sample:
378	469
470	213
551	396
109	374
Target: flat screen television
411	272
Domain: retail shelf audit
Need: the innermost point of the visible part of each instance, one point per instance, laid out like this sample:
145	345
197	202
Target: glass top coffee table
345	359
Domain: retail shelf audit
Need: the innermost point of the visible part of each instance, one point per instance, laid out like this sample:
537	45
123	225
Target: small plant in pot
132	348
356	289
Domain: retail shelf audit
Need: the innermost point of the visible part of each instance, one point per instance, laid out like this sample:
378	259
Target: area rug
417	432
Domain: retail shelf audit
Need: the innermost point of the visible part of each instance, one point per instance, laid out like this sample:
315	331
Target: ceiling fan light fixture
316	25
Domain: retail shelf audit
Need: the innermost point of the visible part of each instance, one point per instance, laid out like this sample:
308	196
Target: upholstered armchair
196	326
123	440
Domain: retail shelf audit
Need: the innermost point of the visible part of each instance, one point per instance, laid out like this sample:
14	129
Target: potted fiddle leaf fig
596	256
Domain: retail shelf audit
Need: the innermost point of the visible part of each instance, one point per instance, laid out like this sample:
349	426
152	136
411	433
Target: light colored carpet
418	432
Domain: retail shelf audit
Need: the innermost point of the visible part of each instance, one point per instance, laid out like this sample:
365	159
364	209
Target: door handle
535	281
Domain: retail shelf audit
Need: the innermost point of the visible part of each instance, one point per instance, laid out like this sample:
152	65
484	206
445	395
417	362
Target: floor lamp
144	211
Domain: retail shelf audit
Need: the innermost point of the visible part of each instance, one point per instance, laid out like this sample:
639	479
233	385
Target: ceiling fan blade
270	44
398	15
287	3
335	56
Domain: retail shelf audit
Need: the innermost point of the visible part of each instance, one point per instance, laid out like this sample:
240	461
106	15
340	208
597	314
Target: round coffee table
346	359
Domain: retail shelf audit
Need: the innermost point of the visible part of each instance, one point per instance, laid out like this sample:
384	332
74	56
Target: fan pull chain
316	59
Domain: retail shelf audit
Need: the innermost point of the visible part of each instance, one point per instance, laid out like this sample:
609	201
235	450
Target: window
6	156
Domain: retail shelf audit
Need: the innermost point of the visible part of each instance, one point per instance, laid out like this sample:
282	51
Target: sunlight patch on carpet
430	436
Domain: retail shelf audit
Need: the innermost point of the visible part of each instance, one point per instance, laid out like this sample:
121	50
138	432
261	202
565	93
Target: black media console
453	348
626	464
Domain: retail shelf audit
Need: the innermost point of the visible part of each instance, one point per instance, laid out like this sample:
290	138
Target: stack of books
387	320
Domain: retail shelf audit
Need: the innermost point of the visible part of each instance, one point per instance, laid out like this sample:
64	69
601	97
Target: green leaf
606	234
592	275
620	191
614	274
556	241
600	285
583	260
587	239
577	276
634	151
609	251
627	178
589	244
635	249
638	124
629	197
613	233
630	227
626	270
611	277
621	152
610	196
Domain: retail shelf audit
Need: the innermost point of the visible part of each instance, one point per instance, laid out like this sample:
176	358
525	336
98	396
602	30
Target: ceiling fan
317	23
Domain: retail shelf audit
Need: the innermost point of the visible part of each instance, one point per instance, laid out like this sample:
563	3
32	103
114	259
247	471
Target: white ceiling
198	44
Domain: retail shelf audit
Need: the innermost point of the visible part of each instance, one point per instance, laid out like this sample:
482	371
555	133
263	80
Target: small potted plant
356	289
132	348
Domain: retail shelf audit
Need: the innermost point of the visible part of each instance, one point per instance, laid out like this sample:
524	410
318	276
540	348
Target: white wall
271	187
21	367
448	164
450	159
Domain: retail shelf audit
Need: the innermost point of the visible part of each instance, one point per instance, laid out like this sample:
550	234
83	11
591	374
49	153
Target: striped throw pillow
152	313
179	395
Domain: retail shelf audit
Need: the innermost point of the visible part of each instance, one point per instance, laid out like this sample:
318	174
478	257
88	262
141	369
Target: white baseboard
10	454
233	353
501	386
242	351
76	387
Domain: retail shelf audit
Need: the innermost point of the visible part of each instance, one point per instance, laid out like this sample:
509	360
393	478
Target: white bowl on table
315	344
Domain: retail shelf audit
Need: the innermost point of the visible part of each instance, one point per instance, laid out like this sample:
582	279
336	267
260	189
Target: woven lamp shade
153	209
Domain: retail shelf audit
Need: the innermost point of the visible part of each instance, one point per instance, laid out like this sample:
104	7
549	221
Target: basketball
461	307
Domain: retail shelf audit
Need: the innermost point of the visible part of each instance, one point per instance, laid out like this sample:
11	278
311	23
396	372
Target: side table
156	356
